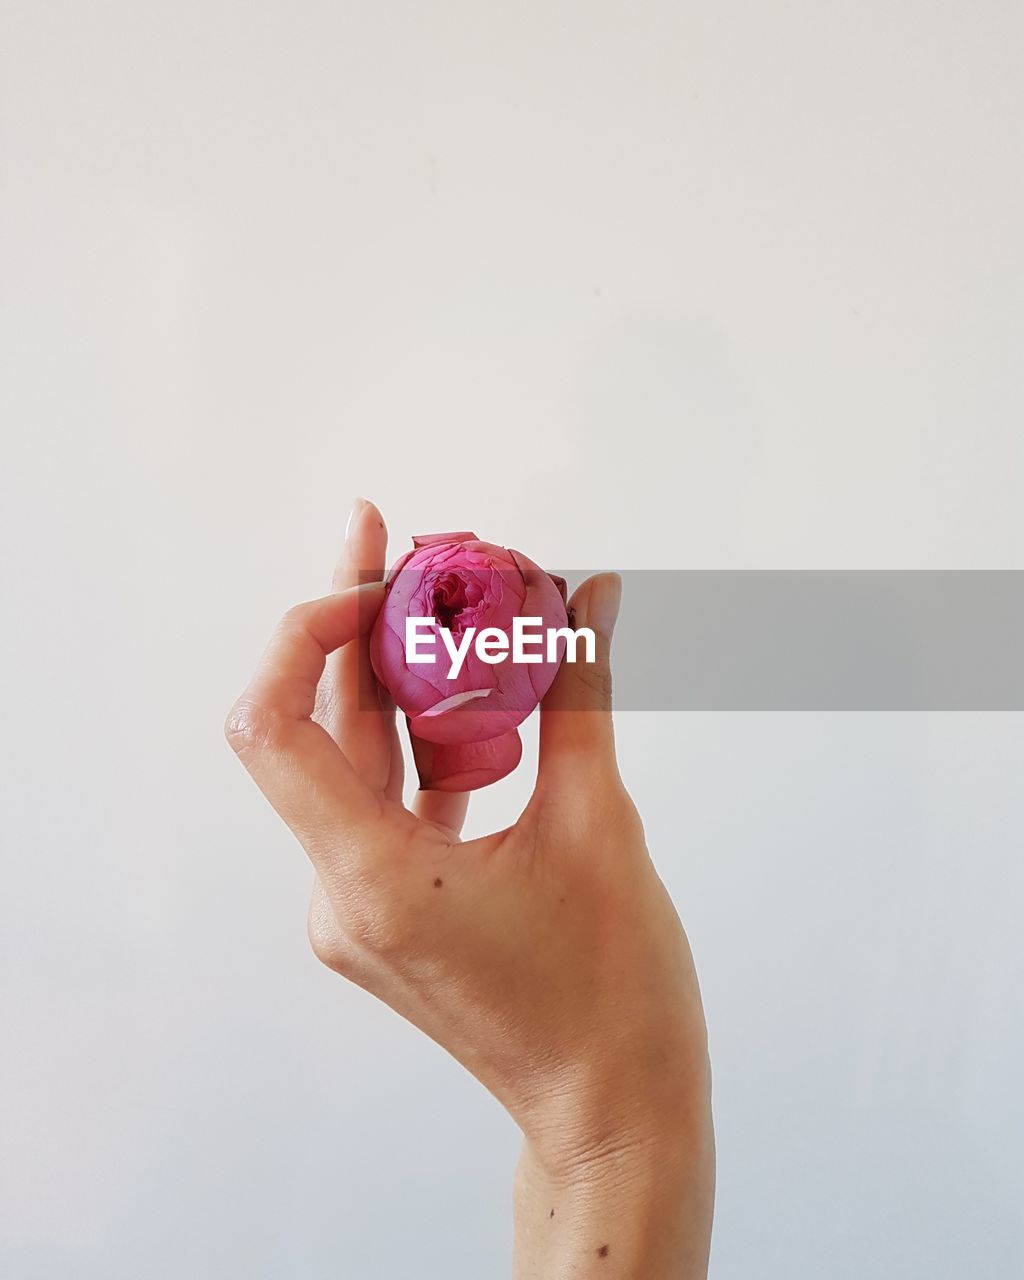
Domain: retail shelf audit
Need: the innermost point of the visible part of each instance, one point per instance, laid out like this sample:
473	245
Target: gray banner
854	640
819	640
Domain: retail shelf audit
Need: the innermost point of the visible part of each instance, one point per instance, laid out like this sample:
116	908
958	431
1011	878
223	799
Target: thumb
576	714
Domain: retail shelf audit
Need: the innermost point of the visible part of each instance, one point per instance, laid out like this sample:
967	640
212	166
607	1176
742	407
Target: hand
547	958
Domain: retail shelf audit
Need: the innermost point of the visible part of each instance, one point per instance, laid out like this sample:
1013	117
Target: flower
464	729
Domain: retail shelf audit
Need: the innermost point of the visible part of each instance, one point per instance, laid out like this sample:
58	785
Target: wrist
645	1096
619	1171
640	1204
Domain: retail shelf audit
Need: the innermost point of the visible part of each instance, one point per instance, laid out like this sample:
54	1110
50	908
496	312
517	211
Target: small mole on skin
603	1251
551	1214
438	883
561	900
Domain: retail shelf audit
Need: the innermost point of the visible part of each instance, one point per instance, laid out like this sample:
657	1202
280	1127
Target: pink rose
464	730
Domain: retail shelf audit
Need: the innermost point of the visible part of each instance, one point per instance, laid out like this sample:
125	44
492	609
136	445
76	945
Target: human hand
547	958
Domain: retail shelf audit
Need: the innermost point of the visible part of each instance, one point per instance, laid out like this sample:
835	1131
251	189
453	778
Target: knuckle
295	618
596	679
379	923
240	727
380	931
323	940
250	727
329	945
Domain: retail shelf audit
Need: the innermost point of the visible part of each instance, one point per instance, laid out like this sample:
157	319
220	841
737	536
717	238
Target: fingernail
603	605
357	506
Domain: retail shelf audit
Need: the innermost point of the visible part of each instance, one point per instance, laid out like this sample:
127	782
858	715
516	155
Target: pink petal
456	700
428	539
467	767
471	722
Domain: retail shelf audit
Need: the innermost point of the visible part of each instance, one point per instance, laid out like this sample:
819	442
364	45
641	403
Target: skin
547	958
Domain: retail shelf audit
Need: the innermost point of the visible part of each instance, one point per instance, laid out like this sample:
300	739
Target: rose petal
429	539
456	700
466	767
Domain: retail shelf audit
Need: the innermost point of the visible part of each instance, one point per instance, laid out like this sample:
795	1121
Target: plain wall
623	285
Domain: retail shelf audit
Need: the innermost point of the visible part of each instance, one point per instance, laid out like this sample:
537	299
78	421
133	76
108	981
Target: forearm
641	1206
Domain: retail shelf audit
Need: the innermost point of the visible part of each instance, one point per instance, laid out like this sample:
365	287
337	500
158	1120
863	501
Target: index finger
294	761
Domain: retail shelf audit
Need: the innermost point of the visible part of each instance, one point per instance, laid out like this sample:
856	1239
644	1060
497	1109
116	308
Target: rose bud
464	726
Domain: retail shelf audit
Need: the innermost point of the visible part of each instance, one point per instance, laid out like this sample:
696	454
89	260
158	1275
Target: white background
624	286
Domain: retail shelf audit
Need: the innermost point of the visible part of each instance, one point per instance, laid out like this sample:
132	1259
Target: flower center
449	599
